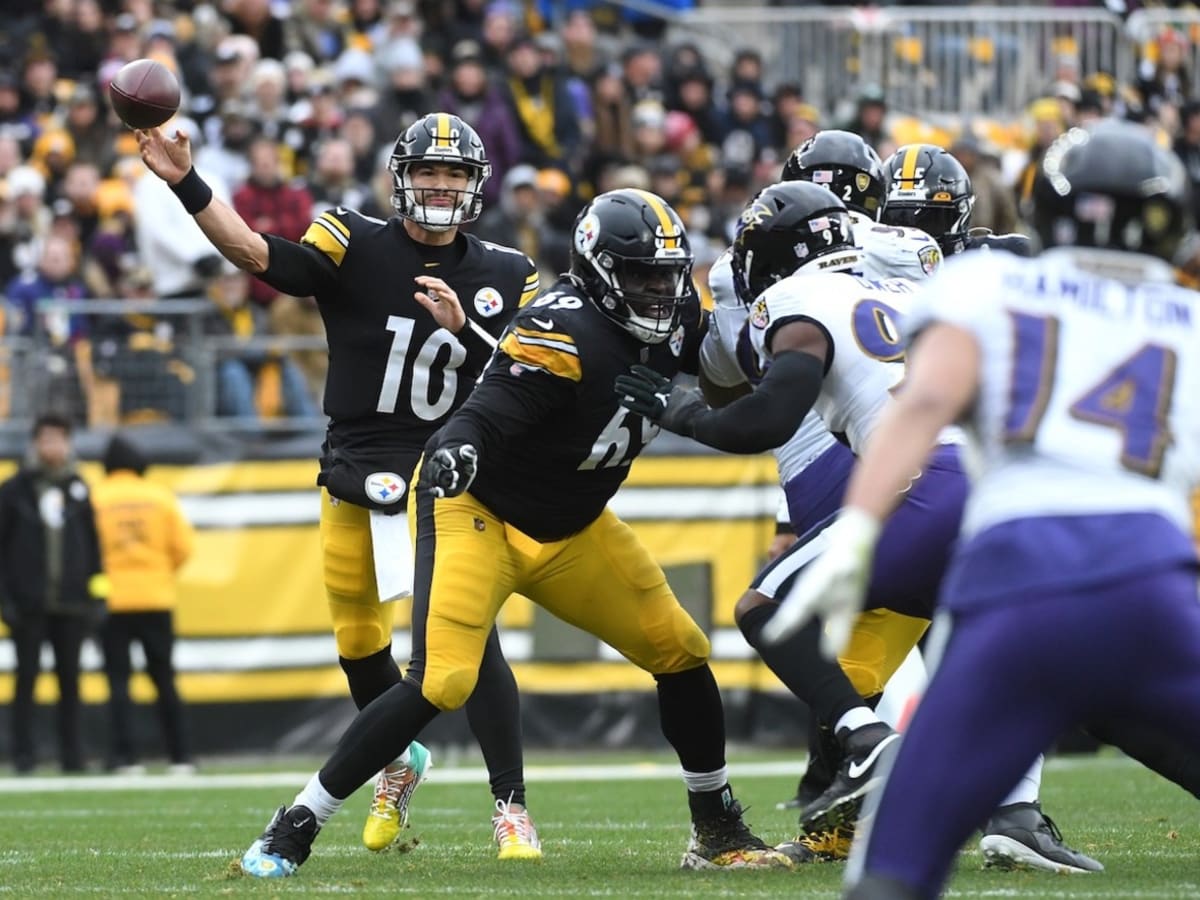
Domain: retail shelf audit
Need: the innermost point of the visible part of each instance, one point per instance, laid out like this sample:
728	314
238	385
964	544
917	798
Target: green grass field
608	832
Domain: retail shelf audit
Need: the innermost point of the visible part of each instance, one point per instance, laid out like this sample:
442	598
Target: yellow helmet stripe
908	168
671	234
442	135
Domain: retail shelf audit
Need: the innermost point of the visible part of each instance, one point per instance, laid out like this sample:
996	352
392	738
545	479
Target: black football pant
156	633
65	634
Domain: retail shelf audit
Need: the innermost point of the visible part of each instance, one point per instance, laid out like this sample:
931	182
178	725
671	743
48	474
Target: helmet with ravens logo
631	254
845	164
789	225
1112	186
927	188
439	139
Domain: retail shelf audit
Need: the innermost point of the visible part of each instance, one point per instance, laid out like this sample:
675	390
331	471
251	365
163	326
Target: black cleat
285	844
1021	836
858	776
725	841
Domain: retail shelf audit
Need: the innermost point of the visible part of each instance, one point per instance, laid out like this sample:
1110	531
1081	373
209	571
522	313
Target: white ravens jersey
862	321
891	251
1089	395
728	360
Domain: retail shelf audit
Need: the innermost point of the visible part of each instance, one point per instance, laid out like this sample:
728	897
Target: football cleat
394	787
514	832
820	846
725	841
858	776
285	844
1021	836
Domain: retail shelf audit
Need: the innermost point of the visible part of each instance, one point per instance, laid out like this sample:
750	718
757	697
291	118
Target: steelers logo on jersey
930	257
488	301
759	317
384	487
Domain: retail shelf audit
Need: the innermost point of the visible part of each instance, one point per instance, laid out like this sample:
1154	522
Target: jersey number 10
423	405
1134	397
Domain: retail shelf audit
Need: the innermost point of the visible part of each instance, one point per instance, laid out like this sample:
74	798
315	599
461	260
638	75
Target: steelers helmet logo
676	341
587	232
384	487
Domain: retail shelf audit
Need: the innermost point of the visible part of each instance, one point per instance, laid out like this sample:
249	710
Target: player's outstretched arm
171	160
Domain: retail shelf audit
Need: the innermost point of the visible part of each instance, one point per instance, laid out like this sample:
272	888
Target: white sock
1030	785
856	718
404	758
322	803
706	781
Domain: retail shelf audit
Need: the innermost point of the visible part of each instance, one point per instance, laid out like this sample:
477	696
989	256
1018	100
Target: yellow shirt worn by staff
144	539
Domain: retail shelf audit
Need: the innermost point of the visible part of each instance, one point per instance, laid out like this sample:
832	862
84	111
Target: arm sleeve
504	406
298	269
767	417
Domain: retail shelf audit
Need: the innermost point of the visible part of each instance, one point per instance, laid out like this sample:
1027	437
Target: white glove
833	586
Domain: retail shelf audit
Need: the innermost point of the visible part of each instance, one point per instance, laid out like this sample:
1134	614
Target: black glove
449	470
648	393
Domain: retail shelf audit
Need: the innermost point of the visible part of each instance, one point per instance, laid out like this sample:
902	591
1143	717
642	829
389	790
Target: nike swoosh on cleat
300	823
856	770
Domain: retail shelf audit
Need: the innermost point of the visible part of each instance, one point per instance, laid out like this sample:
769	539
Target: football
144	93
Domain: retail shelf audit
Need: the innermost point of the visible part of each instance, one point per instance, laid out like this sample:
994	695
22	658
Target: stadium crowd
293	109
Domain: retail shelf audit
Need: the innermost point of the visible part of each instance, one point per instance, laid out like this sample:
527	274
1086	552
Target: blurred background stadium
117	313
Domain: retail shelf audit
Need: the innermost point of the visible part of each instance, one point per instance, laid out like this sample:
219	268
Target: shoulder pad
330	233
540	336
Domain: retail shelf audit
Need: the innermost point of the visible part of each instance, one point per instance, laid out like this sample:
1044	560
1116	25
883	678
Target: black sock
709	804
693	718
370	676
800	665
494	714
378	734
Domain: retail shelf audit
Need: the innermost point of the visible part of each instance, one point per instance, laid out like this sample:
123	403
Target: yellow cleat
514	832
394	787
828	846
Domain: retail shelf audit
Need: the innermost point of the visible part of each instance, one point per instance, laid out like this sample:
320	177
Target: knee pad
689	649
360	630
878	646
448	687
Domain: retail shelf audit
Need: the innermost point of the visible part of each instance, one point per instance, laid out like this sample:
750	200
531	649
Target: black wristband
192	192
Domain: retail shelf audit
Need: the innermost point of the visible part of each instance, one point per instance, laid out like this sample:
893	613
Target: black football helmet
787	226
446	139
845	164
1112	186
631	254
927	188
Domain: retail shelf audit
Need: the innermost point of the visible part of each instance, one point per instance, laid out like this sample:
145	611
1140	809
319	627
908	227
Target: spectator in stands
15	120
519	220
358	130
354	74
332	182
1187	147
501	25
995	208
1048	124
269	203
262	21
145	539
224	84
473	98
80	187
641	70
80	48
225	153
170	243
581	56
612	118
870	116
545	115
694	90
1165	79
747	127
251	382
24	224
56	278
785	104
406	97
91	135
38	81
323	117
316	27
10	155
268	99
51	584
